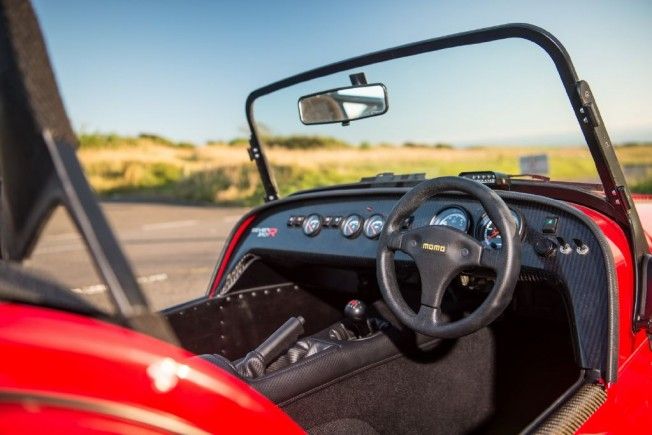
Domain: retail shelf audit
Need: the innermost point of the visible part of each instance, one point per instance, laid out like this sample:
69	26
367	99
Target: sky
183	69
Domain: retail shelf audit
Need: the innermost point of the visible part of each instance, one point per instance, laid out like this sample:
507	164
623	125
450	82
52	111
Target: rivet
266	292
240	296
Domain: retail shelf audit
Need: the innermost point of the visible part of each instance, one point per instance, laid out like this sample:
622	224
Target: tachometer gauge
373	226
489	233
454	217
351	226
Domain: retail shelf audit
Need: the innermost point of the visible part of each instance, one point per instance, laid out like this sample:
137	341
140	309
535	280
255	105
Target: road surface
172	248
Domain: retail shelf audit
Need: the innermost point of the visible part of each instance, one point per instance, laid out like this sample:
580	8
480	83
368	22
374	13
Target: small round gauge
489	233
454	217
373	226
311	225
351	226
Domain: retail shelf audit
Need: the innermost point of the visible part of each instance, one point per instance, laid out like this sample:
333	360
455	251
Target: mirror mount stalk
358	79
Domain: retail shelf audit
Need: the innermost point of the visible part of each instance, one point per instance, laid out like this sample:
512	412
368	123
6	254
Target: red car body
107	374
104	373
69	373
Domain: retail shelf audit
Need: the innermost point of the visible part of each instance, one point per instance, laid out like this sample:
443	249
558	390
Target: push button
550	225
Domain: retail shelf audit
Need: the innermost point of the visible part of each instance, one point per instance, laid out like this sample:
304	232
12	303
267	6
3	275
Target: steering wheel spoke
395	241
428	315
434	282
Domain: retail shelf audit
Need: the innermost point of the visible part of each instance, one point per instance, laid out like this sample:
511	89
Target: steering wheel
441	253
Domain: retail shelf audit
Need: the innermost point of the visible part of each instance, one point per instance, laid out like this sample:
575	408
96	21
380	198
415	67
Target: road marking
90	289
168	225
157	277
101	288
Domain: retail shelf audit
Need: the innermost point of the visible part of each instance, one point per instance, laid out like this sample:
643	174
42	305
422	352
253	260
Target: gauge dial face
490	234
312	225
453	217
351	226
373	226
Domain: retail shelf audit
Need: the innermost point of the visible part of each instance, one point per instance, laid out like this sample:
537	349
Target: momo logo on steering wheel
433	247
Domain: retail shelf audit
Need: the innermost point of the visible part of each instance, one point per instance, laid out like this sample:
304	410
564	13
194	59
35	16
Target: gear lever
356	312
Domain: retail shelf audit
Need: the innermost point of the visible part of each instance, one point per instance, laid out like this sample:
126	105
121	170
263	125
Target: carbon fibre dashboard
557	241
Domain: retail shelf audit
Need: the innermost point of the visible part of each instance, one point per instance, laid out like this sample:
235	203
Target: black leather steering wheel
441	253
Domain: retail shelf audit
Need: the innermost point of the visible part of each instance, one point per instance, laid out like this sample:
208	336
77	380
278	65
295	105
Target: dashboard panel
349	228
341	229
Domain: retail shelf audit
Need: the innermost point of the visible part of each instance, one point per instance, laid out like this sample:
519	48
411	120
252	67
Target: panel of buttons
326	221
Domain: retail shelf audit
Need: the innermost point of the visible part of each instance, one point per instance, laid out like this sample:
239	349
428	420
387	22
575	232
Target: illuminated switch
550	225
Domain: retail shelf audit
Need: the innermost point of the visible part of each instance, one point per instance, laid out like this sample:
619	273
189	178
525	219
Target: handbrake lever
255	362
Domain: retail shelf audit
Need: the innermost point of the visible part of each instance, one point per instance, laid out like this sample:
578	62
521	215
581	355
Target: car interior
437	306
347	363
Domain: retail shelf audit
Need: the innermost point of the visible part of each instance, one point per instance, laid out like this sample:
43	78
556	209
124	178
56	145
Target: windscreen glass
496	106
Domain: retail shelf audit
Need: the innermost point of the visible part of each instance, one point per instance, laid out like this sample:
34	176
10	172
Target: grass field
150	166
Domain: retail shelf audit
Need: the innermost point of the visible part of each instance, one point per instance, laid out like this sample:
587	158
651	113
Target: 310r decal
265	232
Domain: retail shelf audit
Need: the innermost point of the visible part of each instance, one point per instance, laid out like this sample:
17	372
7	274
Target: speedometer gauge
489	233
454	217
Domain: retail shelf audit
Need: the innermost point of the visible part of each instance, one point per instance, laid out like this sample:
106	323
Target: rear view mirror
343	104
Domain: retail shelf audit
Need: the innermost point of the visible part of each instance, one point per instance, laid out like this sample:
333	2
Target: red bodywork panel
628	408
70	362
62	361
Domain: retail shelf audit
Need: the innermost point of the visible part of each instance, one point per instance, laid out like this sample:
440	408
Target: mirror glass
343	104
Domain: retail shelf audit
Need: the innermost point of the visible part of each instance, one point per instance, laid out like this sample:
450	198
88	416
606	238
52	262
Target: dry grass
223	173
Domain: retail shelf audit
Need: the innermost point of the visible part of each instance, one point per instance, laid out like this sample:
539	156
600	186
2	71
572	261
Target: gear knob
356	310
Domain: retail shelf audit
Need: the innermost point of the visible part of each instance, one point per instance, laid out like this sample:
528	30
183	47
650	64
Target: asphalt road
172	248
